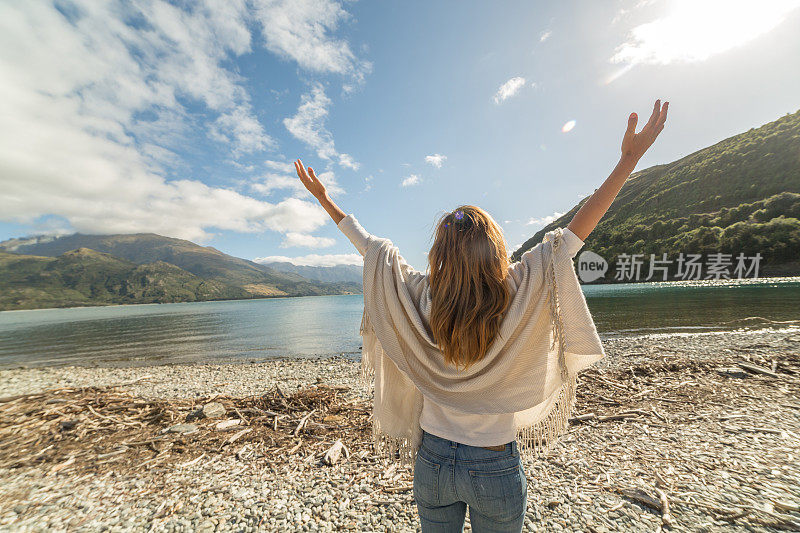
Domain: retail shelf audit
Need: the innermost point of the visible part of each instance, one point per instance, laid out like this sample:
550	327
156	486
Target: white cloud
280	166
308	125
274	182
509	89
328	178
322	260
347	161
543	221
435	160
78	87
293	239
94	109
302	30
242	130
271	182
545	35
695	30
413	179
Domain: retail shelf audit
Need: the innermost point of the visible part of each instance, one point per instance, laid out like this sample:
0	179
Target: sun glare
695	30
566	128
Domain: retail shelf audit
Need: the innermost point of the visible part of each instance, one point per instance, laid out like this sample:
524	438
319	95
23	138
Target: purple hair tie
459	214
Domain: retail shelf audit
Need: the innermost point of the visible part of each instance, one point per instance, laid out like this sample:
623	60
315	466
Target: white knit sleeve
355	232
534	261
360	238
570	244
582	345
531	263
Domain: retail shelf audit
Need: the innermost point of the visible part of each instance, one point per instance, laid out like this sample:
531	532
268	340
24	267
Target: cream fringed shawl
546	337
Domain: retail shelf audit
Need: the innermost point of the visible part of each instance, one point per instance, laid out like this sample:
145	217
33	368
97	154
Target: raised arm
316	188
634	145
347	224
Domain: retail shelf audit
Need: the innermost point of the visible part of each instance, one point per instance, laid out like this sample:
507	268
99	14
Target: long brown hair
468	264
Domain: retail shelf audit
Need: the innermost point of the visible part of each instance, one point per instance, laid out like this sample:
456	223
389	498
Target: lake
327	325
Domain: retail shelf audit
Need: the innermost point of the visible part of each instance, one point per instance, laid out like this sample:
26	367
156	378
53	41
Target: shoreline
115	304
675	415
246	376
783	278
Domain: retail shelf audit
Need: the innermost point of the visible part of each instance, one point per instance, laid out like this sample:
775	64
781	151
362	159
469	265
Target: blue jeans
449	476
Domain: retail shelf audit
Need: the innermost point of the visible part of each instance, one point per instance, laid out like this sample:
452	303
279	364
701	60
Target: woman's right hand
634	145
310	180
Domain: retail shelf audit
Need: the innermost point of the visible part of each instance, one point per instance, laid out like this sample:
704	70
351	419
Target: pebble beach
696	432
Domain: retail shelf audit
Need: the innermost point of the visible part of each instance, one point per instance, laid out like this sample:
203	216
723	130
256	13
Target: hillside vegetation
741	195
144	268
86	277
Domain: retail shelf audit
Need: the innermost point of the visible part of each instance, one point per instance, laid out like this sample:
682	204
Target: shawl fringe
536	440
533	440
390	448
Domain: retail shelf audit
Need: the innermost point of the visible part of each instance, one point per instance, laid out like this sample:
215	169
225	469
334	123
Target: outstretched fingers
633	118
299	168
662	117
302	174
654	115
309	178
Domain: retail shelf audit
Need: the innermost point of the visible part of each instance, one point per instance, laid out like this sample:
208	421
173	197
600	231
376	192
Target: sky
182	118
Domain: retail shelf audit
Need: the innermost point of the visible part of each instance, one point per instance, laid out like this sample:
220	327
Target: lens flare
695	30
566	128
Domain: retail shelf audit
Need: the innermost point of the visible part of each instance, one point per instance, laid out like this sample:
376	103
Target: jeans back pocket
426	480
501	494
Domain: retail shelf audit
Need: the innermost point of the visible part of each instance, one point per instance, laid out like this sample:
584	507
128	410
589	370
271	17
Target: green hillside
86	277
222	274
741	195
78	270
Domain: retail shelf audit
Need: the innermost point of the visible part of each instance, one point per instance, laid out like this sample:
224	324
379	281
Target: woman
474	364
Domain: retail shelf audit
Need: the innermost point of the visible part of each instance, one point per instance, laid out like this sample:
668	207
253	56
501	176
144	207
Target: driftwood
302	423
640	496
72	430
335	452
239	435
402	488
666	517
758	369
226	425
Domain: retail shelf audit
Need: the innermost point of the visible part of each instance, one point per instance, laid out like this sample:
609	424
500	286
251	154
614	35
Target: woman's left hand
634	145
310	180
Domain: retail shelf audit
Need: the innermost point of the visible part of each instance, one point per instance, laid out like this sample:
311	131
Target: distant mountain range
81	269
741	195
329	274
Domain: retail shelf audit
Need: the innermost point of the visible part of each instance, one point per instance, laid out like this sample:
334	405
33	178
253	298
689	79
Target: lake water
326	325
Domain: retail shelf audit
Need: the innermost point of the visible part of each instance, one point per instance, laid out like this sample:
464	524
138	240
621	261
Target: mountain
86	277
351	273
143	268
741	195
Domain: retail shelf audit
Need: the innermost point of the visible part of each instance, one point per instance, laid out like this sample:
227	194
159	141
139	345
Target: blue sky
181	118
